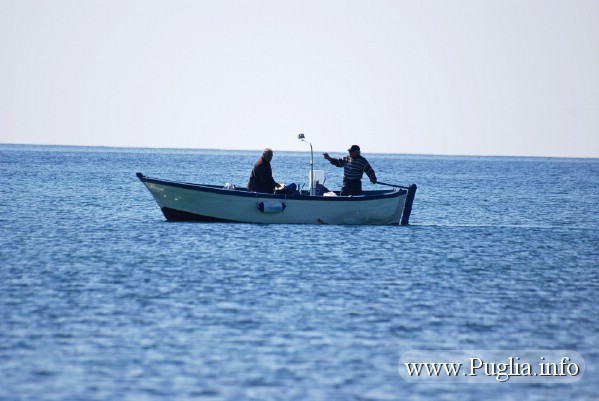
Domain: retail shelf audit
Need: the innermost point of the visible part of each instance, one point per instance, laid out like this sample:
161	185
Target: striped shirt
354	168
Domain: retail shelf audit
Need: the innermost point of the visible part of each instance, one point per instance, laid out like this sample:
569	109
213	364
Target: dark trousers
351	187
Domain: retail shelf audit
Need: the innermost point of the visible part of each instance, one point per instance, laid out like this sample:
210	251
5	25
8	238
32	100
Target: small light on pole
302	138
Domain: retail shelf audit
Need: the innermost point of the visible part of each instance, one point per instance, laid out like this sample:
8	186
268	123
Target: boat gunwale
393	193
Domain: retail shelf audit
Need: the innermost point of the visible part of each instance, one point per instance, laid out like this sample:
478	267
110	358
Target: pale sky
452	77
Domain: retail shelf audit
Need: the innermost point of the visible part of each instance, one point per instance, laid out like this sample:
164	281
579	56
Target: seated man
261	177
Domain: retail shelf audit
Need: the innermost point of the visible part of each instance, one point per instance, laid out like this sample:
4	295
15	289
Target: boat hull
193	202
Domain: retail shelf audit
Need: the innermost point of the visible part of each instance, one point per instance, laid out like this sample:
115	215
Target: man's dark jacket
261	177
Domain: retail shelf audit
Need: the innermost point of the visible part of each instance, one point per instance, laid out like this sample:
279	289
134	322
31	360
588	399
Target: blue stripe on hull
368	195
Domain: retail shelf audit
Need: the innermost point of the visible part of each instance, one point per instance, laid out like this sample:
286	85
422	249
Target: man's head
354	150
267	154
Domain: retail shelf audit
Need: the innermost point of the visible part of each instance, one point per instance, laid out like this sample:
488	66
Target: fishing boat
180	201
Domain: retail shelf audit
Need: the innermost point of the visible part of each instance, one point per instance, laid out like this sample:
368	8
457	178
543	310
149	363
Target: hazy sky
504	77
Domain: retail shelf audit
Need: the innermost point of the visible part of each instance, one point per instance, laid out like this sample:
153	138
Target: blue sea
102	299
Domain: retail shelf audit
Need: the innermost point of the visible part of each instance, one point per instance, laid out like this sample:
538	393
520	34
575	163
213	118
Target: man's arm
334	162
370	173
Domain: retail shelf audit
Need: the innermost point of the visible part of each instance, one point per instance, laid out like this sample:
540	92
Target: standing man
261	177
354	166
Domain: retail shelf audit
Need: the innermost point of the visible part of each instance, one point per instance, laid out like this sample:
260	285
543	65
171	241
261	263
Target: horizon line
295	151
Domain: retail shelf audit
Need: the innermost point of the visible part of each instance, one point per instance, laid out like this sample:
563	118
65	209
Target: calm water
101	299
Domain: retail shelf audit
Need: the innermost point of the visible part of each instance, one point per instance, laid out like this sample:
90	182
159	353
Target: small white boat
181	201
